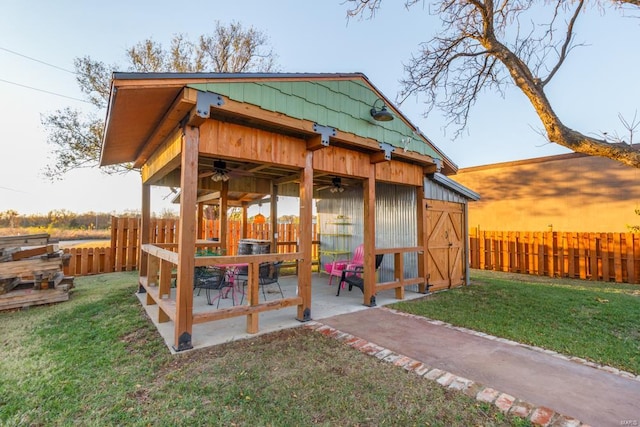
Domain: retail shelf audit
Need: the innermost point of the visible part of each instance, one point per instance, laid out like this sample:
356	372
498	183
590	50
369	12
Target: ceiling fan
336	185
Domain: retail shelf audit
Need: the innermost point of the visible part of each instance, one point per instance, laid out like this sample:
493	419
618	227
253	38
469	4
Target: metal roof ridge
241	76
455	186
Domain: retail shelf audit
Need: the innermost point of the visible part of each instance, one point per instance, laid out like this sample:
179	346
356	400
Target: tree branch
565	46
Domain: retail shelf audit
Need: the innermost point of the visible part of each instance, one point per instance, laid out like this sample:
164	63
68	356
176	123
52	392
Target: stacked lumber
31	271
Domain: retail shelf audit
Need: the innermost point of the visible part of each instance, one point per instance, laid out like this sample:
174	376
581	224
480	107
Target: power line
36	60
13	189
44	91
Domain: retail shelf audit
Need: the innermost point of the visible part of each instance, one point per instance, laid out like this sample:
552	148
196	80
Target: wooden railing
399	281
122	255
162	262
609	257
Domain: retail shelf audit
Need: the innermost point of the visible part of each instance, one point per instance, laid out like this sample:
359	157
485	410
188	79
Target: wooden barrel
245	248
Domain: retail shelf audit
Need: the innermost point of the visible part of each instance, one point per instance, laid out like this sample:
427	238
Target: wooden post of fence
482	265
551	253
629	267
562	237
617	257
636	259
593	256
114	241
604	255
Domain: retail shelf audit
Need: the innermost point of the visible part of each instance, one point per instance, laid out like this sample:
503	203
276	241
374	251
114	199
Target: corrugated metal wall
396	223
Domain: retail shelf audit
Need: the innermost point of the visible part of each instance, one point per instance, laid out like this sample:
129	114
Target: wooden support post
305	235
186	239
224	217
273	216
164	283
421	216
162	316
466	241
152	276
369	240
200	222
398	273
145	222
253	297
245	220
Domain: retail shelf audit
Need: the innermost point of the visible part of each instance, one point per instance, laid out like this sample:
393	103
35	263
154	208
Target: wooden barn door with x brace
445	244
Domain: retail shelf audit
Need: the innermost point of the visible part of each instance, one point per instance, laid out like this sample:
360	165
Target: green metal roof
343	104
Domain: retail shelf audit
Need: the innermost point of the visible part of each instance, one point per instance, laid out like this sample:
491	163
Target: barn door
445	244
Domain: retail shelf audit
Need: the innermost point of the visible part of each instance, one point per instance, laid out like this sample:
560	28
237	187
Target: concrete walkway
543	386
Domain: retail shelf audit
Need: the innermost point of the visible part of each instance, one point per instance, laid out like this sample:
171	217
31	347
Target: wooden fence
123	253
609	257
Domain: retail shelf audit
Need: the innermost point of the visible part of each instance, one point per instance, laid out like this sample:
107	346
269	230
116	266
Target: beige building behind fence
568	192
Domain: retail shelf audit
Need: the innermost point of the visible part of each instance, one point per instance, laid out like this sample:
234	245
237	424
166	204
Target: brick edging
538	415
609	369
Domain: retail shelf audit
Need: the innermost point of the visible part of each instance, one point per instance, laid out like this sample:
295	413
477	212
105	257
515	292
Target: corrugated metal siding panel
396	223
434	191
317	100
396	226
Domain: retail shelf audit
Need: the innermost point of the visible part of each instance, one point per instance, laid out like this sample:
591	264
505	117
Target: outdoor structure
568	192
234	139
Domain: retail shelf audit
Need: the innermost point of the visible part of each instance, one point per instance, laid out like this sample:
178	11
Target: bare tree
76	138
486	45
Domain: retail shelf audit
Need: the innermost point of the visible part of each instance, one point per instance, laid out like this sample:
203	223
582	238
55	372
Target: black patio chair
211	279
353	277
268	274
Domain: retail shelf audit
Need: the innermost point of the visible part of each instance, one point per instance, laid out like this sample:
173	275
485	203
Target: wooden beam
164	159
243	184
378	157
294	177
178	110
162	253
242	310
305	236
28	267
315	143
28	240
279	120
187	239
433	168
28	253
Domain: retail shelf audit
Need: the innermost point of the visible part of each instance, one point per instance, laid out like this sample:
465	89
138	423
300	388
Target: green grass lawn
593	320
97	360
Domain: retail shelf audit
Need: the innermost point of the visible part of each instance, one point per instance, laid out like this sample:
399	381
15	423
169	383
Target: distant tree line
62	218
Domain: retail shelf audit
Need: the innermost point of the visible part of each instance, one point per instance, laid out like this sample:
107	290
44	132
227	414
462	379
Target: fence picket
593	256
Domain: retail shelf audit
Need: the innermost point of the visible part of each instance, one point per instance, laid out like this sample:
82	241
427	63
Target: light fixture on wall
219	171
382	114
337	185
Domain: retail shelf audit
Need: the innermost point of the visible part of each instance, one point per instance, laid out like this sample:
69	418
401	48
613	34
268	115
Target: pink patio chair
338	266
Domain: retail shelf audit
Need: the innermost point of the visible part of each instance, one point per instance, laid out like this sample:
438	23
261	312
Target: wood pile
31	271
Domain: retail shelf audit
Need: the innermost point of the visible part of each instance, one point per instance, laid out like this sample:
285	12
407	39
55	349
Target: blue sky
598	81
